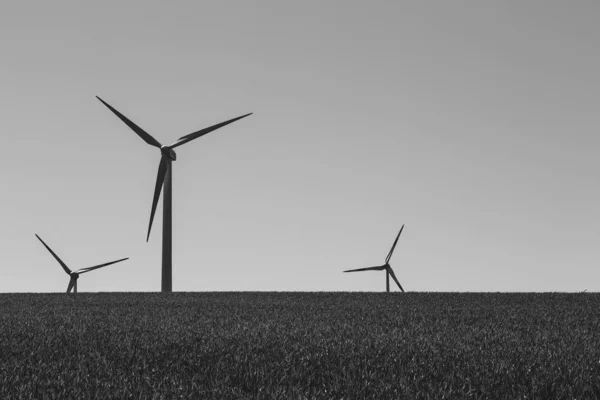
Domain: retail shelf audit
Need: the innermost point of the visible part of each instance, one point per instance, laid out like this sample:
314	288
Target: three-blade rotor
167	153
386	266
75	274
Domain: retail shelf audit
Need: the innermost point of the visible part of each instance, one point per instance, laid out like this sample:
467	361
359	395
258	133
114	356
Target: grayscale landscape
369	200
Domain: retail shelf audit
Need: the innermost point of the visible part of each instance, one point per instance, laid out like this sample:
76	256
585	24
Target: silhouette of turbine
388	270
75	274
164	178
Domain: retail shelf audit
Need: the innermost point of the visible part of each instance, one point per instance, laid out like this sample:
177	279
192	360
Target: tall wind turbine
388	270
75	274
164	178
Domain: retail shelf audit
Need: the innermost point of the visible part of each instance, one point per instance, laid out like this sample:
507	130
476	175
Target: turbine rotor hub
74	275
168	152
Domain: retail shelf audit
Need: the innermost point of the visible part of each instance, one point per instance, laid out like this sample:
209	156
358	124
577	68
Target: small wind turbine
75	274
388	270
164	178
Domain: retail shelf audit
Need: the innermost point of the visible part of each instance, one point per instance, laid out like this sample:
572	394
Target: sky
475	124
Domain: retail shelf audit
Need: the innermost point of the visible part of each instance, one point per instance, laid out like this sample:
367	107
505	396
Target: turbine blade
391	271
387	260
378	268
160	178
67	270
141	133
202	132
71	284
88	269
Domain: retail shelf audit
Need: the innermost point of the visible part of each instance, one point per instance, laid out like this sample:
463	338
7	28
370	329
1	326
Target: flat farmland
300	345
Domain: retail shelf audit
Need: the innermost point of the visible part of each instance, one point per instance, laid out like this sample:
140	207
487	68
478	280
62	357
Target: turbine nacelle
168	152
74	275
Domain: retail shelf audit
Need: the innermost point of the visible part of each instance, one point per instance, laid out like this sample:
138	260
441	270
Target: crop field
300	345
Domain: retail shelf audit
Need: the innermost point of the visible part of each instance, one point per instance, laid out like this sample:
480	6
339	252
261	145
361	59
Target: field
300	345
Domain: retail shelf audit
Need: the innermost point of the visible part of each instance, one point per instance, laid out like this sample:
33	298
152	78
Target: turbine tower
75	274
164	178
388	269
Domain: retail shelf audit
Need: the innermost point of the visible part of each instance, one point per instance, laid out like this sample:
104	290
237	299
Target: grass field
300	345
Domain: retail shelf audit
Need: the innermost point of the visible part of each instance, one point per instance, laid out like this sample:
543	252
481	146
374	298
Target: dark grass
300	345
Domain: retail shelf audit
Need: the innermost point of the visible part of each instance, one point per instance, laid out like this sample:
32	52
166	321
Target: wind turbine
75	274
388	270
164	178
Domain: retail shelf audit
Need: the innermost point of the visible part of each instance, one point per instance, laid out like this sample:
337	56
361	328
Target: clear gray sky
473	123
